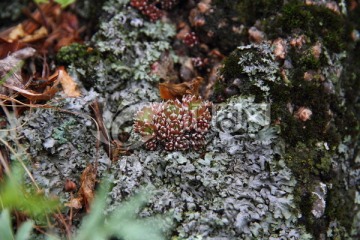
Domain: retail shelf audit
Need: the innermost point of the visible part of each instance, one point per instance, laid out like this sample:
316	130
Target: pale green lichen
251	70
62	144
122	38
243	186
229	193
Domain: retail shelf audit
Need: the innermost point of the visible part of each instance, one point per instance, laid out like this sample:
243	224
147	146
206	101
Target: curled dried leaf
32	95
176	91
16	33
68	84
75	203
87	187
10	69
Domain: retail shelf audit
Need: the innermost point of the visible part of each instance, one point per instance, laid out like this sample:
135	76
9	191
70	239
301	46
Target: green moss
310	163
307	161
231	68
340	204
71	53
83	58
63	133
228	15
316	22
350	82
310	145
308	61
354	15
248	11
312	96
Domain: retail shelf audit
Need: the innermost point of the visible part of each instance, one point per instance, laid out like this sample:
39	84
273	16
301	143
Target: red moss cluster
153	9
199	62
174	125
168	4
191	39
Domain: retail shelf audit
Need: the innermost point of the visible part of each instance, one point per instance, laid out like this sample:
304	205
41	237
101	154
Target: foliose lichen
62	142
249	70
11	11
311	71
229	193
122	35
259	174
118	53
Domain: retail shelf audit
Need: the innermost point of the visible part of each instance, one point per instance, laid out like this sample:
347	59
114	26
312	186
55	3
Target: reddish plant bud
70	186
174	125
191	39
303	114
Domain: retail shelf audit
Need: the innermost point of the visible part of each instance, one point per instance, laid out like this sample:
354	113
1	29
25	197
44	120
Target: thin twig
102	133
38	228
61	218
5	164
42	15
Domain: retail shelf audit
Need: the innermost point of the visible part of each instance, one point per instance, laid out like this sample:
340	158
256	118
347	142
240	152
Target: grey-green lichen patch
249	69
125	47
224	194
11	11
311	76
120	65
245	185
122	37
62	144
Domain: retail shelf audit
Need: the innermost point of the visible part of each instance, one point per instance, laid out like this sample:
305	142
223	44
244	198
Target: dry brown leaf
68	84
86	190
75	203
87	187
16	33
48	28
69	186
10	69
38	34
7	47
32	95
173	91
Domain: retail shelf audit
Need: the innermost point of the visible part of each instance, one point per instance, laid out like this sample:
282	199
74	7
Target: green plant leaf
5	226
123	222
41	1
6	232
15	195
91	224
25	230
63	3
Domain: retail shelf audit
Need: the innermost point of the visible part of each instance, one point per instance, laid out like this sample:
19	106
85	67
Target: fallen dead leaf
86	190
16	33
7	47
37	35
10	69
87	187
47	29
173	91
68	84
32	95
69	186
75	203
